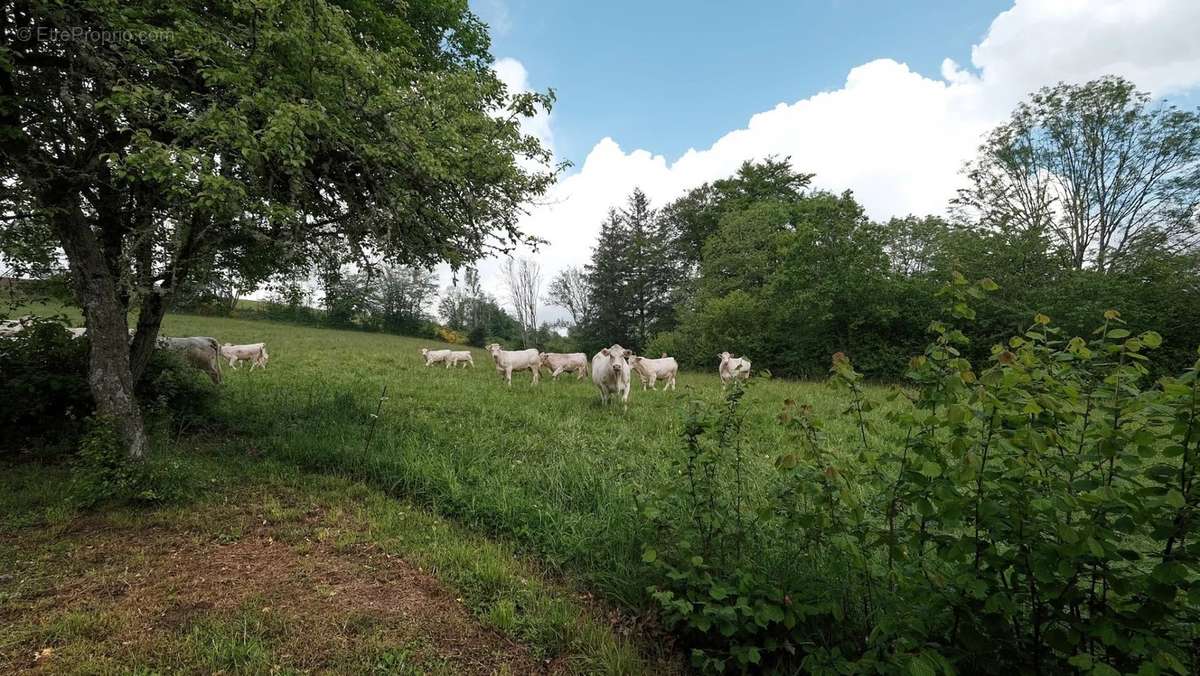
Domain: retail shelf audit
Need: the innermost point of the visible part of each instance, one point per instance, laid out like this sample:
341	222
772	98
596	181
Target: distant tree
523	279
1097	167
611	318
569	290
399	298
696	216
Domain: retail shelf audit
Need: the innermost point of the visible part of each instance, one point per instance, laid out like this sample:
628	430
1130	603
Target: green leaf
987	284
1151	339
1117	334
649	555
931	470
1175	499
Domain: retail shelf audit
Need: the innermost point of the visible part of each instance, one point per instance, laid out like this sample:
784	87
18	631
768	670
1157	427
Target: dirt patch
314	604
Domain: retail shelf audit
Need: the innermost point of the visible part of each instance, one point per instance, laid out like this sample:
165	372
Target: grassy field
547	466
546	469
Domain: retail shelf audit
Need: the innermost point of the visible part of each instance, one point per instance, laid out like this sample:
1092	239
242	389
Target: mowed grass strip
272	569
546	466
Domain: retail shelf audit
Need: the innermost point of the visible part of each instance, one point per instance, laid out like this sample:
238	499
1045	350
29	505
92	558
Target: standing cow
519	360
610	372
255	353
732	367
650	370
434	356
202	352
559	362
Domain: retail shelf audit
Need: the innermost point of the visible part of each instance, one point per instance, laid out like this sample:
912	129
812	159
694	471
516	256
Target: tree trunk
150	316
109	377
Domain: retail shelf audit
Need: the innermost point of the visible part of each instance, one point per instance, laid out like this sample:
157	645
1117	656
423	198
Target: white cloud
897	138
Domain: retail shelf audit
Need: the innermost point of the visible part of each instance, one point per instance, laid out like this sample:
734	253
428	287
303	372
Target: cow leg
537	372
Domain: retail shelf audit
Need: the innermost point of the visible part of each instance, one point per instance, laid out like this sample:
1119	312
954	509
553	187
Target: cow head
616	358
494	349
424	351
724	356
544	359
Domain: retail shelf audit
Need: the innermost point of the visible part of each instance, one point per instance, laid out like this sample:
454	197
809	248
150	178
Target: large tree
1098	167
137	137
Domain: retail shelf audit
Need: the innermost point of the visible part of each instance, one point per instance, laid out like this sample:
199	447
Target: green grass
233	498
546	469
546	466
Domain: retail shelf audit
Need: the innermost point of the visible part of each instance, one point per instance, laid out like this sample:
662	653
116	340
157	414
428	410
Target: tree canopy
170	133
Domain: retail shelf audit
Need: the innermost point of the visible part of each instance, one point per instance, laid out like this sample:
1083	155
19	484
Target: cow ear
604	352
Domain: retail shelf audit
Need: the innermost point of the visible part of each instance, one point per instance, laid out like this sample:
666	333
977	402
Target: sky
885	99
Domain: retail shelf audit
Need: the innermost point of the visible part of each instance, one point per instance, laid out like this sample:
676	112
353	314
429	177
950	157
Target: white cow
434	356
610	372
11	327
202	352
558	362
519	360
460	357
650	370
255	353
732	367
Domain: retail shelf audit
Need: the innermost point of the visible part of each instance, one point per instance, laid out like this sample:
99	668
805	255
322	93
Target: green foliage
102	471
1039	516
43	382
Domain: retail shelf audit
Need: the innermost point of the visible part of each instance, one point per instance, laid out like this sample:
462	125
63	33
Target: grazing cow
255	353
558	362
610	372
460	357
519	360
732	367
11	327
202	352
434	356
650	370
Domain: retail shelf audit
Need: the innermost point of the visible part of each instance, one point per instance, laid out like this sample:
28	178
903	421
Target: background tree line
1085	199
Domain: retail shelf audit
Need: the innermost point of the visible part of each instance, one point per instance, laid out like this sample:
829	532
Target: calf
519	360
460	357
434	356
732	367
199	351
610	372
650	370
255	353
558	362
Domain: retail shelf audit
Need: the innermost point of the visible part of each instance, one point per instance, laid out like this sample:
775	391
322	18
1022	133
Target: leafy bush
1039	515
451	336
44	388
43	384
102	471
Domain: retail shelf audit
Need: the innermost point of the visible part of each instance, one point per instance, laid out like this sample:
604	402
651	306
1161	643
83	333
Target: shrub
449	335
43	384
102	471
1039	516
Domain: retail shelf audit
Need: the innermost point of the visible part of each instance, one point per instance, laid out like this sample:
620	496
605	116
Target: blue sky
667	75
886	99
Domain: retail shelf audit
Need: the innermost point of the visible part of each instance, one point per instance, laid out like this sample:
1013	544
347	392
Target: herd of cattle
202	352
610	367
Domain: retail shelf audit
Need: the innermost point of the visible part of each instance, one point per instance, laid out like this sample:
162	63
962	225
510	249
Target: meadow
546	466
